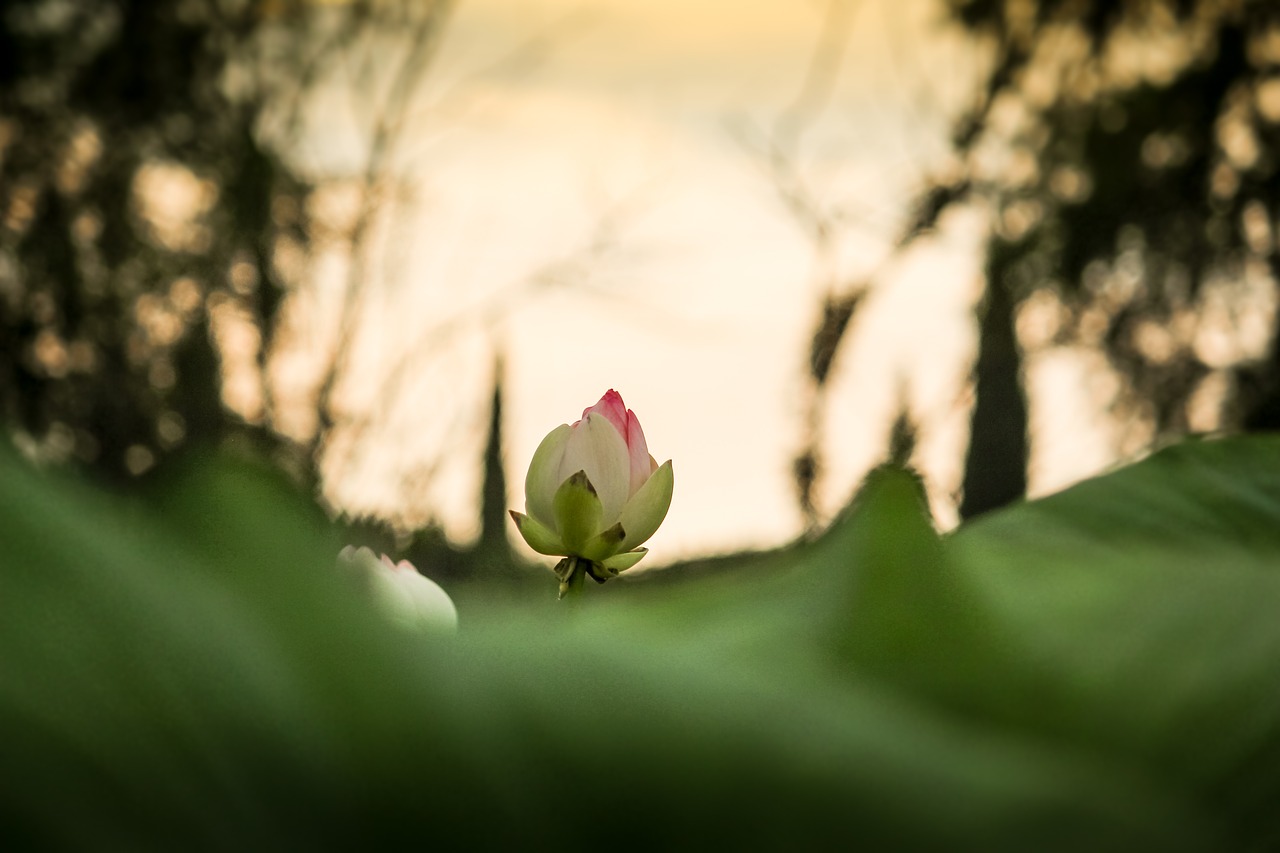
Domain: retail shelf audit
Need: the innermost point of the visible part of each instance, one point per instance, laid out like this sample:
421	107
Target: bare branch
389	122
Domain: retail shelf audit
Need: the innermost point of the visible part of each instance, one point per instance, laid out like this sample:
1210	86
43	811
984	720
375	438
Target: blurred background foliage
153	228
1094	670
1124	154
142	213
1138	194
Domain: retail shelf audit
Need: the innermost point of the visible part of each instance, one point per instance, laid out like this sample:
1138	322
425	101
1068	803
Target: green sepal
643	514
600	572
538	536
625	560
605	545
578	512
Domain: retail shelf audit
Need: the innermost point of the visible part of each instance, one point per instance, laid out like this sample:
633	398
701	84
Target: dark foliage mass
1151	130
106	347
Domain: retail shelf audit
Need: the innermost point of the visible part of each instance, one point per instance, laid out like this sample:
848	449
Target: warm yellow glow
597	219
171	199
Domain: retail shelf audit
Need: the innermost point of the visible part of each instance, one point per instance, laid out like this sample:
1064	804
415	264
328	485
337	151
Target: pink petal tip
612	407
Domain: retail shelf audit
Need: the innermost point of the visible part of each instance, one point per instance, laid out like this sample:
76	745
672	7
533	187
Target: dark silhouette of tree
109	111
146	190
1128	151
996	459
1127	154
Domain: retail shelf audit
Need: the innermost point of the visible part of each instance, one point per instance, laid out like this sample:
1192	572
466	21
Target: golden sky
698	305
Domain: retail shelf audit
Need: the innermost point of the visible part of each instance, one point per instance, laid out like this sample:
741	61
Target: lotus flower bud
405	595
594	494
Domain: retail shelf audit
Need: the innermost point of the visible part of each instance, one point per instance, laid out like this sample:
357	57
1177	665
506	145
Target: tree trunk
995	470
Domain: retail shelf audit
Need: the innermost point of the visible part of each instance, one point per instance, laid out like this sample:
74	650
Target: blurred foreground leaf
1095	670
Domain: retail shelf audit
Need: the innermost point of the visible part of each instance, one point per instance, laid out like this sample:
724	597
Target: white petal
639	453
594	446
544	478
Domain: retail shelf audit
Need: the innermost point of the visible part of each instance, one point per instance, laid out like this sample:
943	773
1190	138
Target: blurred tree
153	220
138	217
1128	152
